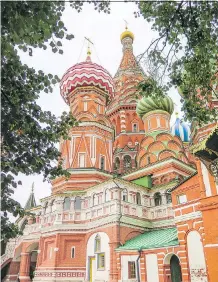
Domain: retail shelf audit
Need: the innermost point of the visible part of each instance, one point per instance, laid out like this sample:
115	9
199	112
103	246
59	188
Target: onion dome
86	74
148	104
181	129
126	33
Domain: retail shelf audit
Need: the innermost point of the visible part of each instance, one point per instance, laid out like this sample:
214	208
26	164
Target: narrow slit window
81	160
97	244
135	127
73	252
102	163
85	106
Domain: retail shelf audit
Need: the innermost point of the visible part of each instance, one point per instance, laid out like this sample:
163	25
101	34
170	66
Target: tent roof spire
31	202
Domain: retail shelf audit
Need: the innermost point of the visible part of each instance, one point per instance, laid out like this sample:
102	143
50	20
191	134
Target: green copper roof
148	104
144	181
152	239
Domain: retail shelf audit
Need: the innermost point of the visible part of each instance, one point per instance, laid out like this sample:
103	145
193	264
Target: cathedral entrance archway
172	268
175	269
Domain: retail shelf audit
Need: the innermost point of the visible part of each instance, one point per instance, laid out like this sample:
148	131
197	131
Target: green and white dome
148	104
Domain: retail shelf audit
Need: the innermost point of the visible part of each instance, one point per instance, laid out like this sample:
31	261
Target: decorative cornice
97	124
157	165
155	112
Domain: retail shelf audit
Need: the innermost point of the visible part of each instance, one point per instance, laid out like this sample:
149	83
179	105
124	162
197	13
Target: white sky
104	30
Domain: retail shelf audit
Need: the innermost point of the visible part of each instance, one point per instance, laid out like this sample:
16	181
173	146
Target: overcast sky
104	30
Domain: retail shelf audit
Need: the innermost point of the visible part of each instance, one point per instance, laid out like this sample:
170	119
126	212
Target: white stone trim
185	217
186	206
206	180
211	246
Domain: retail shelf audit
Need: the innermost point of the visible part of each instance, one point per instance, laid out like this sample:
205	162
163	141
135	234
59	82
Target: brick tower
128	127
86	87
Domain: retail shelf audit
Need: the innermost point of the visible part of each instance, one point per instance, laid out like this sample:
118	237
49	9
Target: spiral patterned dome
86	74
181	129
148	104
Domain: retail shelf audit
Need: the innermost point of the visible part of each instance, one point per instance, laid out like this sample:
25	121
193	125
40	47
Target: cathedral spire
31	202
129	64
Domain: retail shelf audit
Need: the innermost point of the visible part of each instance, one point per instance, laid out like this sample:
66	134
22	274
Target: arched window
66	204
148	159
127	162
46	208
168	198
124	195
102	163
85	106
53	206
77	203
95	200
107	195
117	163
97	243
138	198
135	127
157	199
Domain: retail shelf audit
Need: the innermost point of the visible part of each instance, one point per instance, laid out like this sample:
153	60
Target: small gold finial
32	187
89	50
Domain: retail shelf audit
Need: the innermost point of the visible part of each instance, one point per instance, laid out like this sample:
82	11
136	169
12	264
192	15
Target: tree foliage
186	50
29	134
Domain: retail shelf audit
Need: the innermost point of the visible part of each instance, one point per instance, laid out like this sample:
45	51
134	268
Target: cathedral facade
138	206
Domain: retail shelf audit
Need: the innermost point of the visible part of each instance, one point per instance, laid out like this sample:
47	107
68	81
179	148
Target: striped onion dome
148	104
181	129
86	74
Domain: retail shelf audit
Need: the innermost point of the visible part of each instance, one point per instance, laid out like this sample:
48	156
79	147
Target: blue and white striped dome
181	129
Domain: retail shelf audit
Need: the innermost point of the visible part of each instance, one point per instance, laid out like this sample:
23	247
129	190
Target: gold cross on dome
89	42
126	24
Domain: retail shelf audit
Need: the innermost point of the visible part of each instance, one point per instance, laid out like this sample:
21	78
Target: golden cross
89	41
126	24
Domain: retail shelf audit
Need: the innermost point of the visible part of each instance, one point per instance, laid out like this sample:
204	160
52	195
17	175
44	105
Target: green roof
152	239
144	181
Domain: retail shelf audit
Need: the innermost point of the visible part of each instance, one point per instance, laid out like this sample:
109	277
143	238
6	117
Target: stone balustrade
150	213
101	210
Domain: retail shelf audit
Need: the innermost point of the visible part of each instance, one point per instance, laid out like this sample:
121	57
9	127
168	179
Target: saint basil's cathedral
141	203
